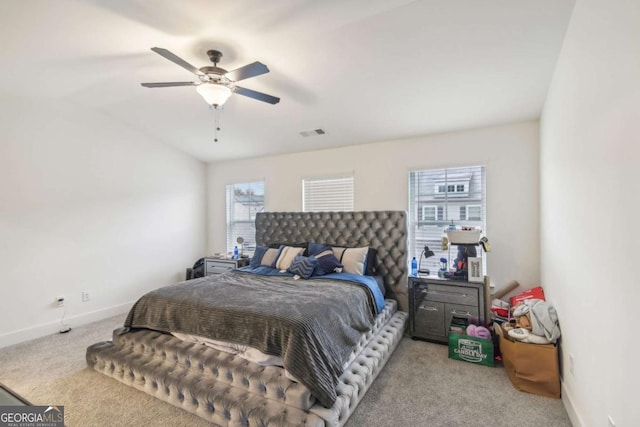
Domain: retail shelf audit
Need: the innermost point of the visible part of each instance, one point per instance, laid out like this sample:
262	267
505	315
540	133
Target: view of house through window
438	197
243	202
327	194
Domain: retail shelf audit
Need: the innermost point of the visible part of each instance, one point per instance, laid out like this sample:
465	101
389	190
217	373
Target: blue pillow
370	264
327	261
256	259
303	266
316	248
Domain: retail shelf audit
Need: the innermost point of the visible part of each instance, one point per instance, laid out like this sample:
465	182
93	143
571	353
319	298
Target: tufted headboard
385	231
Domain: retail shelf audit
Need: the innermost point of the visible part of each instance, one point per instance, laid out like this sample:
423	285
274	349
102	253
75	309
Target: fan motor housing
214	55
213	70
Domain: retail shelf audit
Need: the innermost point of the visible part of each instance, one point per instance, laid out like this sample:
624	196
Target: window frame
245	222
423	190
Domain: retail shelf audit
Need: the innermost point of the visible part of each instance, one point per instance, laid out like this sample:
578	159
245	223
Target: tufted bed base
230	391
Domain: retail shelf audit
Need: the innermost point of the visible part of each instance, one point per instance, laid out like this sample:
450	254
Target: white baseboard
574	417
44	329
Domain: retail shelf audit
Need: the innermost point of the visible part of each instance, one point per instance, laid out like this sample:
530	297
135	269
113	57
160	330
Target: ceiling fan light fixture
214	94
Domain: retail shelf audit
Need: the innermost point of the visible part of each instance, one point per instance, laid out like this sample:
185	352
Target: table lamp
240	241
426	252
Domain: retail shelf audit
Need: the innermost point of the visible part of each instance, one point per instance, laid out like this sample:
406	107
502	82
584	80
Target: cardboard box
469	349
536	293
533	368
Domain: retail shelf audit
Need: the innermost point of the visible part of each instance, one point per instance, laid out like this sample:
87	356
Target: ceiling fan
216	84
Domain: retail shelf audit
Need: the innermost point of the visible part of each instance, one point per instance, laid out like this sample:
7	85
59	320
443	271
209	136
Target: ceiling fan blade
179	61
248	71
256	95
168	84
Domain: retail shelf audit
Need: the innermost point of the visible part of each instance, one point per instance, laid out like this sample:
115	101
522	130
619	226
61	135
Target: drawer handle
422	307
463	313
426	292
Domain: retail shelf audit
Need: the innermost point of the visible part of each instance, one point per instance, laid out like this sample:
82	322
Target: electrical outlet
571	363
86	296
58	301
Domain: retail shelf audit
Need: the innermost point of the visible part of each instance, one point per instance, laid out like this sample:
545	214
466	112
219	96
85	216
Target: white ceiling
362	70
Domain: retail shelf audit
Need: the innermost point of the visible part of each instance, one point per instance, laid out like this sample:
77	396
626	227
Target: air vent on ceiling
313	132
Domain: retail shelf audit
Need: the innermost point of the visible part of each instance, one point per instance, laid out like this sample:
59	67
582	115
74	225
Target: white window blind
327	194
243	202
436	198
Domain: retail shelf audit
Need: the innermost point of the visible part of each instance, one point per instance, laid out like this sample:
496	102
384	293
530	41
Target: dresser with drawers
433	302
222	265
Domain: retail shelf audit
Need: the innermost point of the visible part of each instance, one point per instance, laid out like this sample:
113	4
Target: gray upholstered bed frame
230	391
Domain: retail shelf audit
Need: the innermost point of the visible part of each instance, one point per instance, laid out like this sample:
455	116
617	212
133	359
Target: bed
331	348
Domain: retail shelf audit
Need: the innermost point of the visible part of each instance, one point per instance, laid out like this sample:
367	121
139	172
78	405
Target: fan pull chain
217	122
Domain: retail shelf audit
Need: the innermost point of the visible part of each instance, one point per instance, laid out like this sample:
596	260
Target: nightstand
221	265
434	301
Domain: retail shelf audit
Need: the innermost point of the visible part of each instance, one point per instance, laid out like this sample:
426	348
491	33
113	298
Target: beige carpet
420	386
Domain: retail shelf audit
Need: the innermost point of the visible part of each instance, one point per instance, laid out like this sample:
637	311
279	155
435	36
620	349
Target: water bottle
414	267
235	252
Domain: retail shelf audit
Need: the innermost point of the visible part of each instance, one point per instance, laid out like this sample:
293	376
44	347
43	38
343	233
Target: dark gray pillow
303	266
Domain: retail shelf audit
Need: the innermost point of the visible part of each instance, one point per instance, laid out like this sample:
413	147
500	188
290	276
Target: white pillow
353	259
269	257
286	257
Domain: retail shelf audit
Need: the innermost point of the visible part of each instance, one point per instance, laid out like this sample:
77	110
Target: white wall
590	192
510	154
88	204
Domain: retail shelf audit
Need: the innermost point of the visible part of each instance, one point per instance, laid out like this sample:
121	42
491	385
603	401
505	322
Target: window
243	202
429	213
454	189
432	213
436	198
475	212
327	194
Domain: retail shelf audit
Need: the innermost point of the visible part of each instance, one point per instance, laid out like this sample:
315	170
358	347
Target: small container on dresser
222	265
434	301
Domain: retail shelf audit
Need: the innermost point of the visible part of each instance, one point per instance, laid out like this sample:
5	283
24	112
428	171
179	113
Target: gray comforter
311	324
